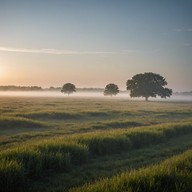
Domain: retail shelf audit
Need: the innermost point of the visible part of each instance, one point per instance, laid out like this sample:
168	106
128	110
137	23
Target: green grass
115	141
33	161
11	125
12	175
63	153
47	115
16	122
69	142
110	165
174	174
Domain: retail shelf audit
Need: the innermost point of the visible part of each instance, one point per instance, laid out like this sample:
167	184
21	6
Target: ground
101	127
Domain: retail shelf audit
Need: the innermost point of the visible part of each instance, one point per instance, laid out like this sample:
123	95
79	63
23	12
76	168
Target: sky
91	43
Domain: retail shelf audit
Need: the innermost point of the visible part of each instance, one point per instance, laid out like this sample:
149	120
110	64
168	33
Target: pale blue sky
93	43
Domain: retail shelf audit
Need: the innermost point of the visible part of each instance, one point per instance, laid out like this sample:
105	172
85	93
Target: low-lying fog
85	94
49	94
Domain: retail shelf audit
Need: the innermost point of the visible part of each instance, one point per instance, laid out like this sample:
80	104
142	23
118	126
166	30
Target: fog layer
124	95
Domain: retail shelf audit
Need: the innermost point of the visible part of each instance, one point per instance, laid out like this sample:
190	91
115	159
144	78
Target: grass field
95	144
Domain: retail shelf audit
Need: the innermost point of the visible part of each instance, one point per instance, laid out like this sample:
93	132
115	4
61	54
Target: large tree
111	89
68	88
148	85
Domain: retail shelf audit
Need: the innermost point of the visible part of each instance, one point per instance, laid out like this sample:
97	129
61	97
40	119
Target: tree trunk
146	98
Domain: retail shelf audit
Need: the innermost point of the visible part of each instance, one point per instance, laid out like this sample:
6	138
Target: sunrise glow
92	43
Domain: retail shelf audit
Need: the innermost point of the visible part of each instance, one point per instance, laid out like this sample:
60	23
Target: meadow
95	144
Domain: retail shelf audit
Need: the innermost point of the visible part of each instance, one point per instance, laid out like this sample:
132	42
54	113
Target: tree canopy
148	85
68	88
111	89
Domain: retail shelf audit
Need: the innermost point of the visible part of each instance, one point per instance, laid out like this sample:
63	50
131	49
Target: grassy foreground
172	175
56	139
61	154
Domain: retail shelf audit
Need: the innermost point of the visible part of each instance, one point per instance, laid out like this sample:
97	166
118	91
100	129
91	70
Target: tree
111	89
148	85
68	88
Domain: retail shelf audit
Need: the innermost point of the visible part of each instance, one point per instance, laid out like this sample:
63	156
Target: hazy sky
95	42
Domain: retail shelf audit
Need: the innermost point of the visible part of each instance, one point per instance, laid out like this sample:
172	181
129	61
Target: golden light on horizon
2	70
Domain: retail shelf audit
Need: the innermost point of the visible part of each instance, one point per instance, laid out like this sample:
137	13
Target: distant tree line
141	85
37	88
189	93
20	88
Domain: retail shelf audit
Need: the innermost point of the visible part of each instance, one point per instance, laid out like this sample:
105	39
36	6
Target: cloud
53	51
64	52
184	30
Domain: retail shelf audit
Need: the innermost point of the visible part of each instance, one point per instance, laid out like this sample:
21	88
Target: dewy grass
63	153
33	161
51	115
75	115
18	122
174	174
55	155
62	116
116	141
12	175
116	124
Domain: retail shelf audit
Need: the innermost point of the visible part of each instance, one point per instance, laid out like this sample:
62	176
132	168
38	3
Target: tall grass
117	124
58	155
11	175
173	175
34	161
117	141
62	153
18	122
52	115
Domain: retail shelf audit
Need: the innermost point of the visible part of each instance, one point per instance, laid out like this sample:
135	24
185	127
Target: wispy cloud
184	30
53	51
64	52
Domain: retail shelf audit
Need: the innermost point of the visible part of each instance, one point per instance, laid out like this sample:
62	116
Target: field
95	144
